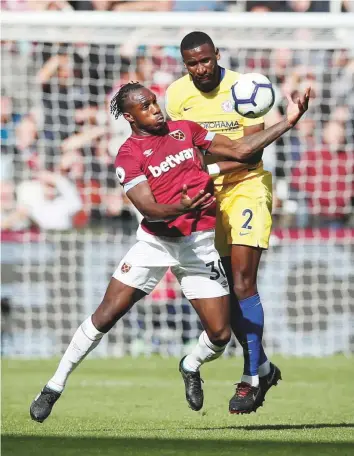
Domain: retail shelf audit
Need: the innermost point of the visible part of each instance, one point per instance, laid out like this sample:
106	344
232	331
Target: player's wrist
213	169
290	123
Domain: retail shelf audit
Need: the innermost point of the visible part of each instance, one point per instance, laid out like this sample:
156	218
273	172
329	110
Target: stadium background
59	70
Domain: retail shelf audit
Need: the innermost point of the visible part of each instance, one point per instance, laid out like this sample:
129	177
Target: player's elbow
150	214
243	151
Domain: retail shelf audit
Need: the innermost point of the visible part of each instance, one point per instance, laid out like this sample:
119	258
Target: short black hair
194	40
117	104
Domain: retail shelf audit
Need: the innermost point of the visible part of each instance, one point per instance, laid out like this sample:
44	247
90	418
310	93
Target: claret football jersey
168	162
215	112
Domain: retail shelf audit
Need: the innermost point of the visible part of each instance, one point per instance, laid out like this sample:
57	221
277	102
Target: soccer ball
253	95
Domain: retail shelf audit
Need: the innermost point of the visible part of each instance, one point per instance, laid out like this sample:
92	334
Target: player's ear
127	116
217	53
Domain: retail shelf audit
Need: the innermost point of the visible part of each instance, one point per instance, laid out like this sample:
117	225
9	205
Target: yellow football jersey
215	112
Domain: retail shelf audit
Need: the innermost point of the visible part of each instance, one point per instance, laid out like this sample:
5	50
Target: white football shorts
193	260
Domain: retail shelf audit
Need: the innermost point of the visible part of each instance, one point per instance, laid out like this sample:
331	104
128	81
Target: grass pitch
136	407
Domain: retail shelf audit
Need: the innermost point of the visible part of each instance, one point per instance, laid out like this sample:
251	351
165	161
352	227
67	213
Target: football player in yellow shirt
244	207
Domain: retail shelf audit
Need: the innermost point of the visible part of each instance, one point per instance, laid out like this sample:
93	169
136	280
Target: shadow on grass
280	427
77	446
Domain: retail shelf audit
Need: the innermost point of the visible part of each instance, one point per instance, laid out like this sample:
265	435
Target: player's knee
244	285
106	314
220	337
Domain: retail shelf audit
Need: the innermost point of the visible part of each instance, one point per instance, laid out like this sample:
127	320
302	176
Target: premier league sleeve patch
120	174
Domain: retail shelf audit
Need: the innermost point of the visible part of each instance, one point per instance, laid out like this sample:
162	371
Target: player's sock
204	352
252	327
264	368
86	338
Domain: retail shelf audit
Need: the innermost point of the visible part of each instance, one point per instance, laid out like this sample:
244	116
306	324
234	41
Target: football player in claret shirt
159	168
244	204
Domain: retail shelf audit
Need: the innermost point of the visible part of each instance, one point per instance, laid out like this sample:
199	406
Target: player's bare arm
244	149
143	199
226	167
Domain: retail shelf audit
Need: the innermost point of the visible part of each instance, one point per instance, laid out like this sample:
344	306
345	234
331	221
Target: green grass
136	407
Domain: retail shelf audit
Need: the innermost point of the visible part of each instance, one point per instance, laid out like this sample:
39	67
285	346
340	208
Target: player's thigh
214	314
200	270
222	233
118	299
137	275
249	213
142	267
245	262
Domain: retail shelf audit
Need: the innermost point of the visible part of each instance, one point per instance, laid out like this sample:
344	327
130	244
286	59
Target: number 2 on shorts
249	213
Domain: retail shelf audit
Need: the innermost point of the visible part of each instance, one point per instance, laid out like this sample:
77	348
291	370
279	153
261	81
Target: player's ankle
252	380
55	387
264	368
189	364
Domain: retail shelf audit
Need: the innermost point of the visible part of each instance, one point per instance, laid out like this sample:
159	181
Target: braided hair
118	101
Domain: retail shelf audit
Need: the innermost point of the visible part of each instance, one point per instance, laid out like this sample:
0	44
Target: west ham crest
126	267
178	134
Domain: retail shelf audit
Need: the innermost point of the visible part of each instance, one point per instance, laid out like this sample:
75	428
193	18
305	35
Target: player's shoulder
231	77
129	148
182	83
179	91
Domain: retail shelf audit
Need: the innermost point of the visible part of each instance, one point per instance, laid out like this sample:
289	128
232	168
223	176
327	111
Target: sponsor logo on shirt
148	152
220	125
171	161
178	134
120	174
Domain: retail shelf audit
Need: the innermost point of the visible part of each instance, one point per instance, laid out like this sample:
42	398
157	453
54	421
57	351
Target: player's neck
141	132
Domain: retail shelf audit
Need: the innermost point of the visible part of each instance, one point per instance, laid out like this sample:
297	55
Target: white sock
264	368
86	338
253	380
204	352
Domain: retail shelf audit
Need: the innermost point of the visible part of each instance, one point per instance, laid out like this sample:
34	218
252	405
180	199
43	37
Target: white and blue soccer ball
253	95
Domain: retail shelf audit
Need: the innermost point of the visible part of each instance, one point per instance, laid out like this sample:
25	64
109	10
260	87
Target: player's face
144	111
202	65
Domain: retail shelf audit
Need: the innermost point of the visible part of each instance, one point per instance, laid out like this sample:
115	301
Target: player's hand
200	201
297	108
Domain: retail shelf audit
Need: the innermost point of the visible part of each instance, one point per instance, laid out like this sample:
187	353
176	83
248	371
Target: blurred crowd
317	6
58	140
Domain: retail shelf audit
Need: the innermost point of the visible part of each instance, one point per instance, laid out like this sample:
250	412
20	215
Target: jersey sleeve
129	169
200	136
250	122
173	104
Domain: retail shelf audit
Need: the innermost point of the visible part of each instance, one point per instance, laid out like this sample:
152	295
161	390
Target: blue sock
252	323
262	356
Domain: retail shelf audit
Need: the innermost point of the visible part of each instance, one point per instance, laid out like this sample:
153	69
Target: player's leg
130	282
248	323
222	240
238	325
250	218
118	299
214	314
204	283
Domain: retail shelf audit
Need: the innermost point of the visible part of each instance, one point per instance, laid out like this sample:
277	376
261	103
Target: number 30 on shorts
216	270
